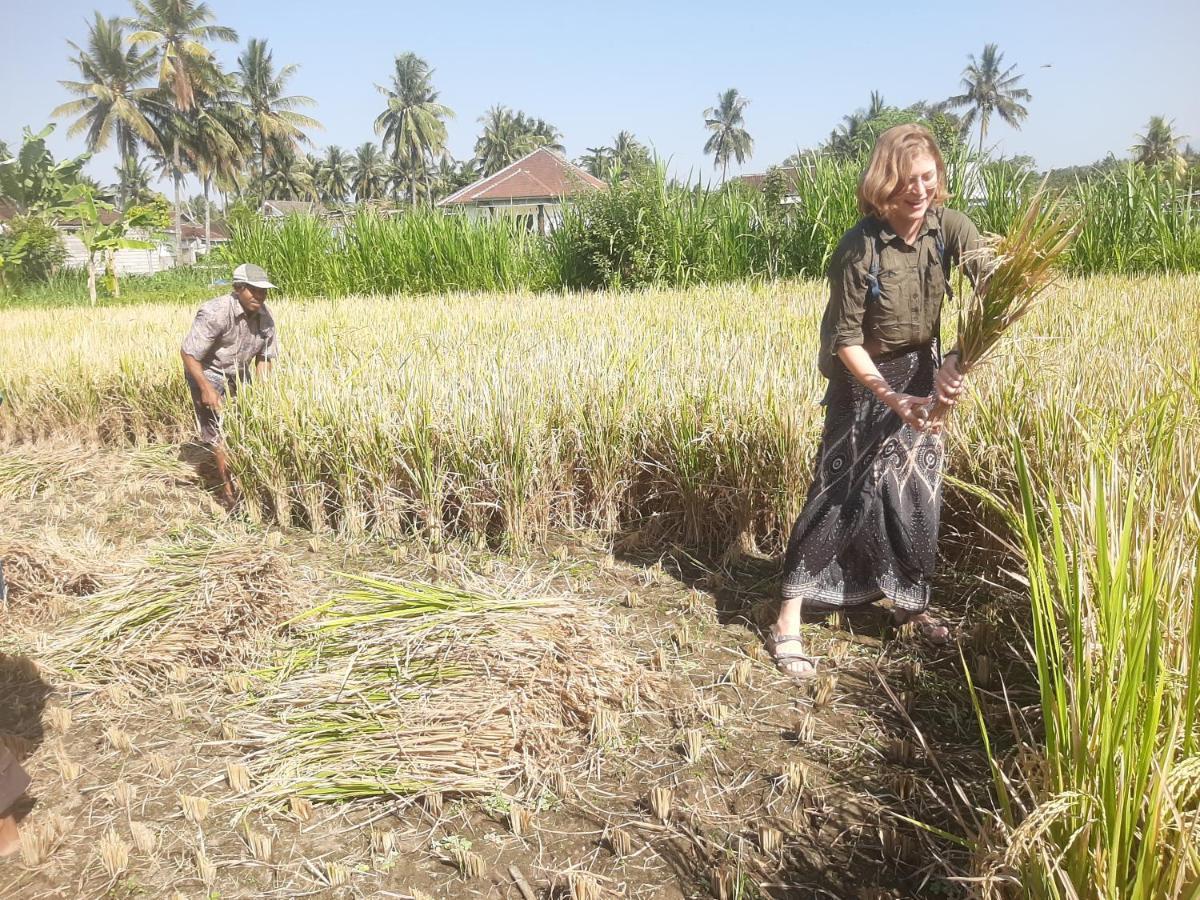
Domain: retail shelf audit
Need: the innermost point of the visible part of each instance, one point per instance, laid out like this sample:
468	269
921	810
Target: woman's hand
914	411
949	383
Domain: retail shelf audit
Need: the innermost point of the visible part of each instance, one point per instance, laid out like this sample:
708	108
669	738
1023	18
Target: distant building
531	190
281	209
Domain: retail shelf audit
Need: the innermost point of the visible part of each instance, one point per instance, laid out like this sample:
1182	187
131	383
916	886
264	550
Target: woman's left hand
950	383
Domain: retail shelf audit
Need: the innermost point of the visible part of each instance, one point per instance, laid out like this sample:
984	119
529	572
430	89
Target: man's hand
209	397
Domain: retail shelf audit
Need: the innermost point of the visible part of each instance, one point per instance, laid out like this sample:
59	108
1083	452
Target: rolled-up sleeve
202	336
847	300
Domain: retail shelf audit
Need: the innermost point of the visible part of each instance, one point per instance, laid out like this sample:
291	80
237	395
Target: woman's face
918	185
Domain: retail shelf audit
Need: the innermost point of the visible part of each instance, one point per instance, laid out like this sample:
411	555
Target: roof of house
219	230
288	207
542	174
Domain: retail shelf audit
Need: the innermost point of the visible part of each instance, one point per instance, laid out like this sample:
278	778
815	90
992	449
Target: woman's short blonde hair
888	168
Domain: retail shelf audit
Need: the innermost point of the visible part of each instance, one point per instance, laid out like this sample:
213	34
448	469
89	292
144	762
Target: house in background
531	190
281	209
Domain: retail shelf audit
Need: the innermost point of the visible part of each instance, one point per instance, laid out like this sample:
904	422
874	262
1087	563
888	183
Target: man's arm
208	395
262	368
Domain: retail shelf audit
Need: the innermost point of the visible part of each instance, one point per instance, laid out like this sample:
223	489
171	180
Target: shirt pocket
897	307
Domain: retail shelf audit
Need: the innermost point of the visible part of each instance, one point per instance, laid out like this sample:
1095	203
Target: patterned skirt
869	527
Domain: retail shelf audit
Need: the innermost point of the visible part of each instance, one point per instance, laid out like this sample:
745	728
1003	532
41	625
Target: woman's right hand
913	411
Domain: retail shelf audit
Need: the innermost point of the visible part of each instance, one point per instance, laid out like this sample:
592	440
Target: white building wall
127	262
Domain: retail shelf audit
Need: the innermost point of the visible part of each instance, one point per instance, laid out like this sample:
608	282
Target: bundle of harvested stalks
25	472
1015	271
205	599
42	580
406	688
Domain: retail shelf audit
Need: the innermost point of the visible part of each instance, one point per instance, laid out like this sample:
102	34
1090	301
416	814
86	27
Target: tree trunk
207	221
91	273
114	283
178	213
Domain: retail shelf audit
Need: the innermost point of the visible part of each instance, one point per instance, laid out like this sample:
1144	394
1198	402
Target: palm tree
216	142
274	120
413	124
1159	146
289	176
598	161
368	172
507	136
988	89
133	181
112	101
630	153
176	31
333	175
729	137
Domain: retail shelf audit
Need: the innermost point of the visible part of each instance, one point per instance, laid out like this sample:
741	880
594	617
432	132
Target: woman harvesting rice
869	527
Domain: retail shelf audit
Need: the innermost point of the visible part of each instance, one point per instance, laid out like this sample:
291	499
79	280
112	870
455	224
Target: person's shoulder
853	246
955	218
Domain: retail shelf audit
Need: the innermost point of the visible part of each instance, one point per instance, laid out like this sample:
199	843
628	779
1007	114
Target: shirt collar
887	234
238	311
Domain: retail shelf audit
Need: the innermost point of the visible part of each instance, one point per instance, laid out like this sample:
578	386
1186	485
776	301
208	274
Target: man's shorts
209	421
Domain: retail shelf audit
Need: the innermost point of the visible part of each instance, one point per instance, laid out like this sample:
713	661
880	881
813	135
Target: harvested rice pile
208	599
405	688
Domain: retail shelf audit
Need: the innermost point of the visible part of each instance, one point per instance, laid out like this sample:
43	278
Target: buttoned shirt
226	340
912	282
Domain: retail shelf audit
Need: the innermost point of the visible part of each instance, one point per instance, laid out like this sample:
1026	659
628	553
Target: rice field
689	418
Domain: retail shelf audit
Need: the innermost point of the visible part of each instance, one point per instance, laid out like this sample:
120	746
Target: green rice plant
1112	808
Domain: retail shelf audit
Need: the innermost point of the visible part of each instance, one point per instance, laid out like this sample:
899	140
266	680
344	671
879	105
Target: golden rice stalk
562	784
619	841
302	808
693	744
144	837
383	842
258	843
584	886
179	708
113	853
904	785
195	809
823	690
205	869
739	673
1015	271
118	694
123	793
468	862
433	803
911	671
724	883
161	765
606	728
661	799
793	778
520	819
631	599
806	729
238	777
229	730
68	768
60	719
118	739
770	838
661	660
901	751
39	839
237	682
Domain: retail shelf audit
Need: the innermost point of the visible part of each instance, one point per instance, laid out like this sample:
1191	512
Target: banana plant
103	238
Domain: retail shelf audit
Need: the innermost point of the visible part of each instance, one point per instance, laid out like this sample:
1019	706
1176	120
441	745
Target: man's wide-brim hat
255	276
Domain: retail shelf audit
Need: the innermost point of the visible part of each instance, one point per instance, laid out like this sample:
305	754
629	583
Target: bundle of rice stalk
26	472
203	601
444	690
1015	271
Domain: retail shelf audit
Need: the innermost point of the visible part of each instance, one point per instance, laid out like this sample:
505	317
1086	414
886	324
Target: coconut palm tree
133	181
988	88
507	136
1158	148
113	96
290	175
368	173
729	137
598	161
413	124
333	175
216	142
176	30
274	120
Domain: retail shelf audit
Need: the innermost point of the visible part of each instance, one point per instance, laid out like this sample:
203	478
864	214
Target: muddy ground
868	782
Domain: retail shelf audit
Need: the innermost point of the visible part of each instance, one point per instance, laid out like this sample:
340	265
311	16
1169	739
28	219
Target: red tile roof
543	174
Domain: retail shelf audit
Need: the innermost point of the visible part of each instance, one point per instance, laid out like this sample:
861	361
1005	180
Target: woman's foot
929	627
10	836
790	659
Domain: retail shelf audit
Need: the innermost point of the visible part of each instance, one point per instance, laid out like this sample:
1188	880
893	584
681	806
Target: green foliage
33	248
32	181
185	285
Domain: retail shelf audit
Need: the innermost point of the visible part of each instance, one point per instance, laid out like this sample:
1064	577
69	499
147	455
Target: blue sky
594	69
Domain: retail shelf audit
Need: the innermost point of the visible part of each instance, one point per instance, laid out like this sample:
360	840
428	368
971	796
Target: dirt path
712	777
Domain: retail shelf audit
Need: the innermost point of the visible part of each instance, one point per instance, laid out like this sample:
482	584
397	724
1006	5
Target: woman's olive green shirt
912	283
